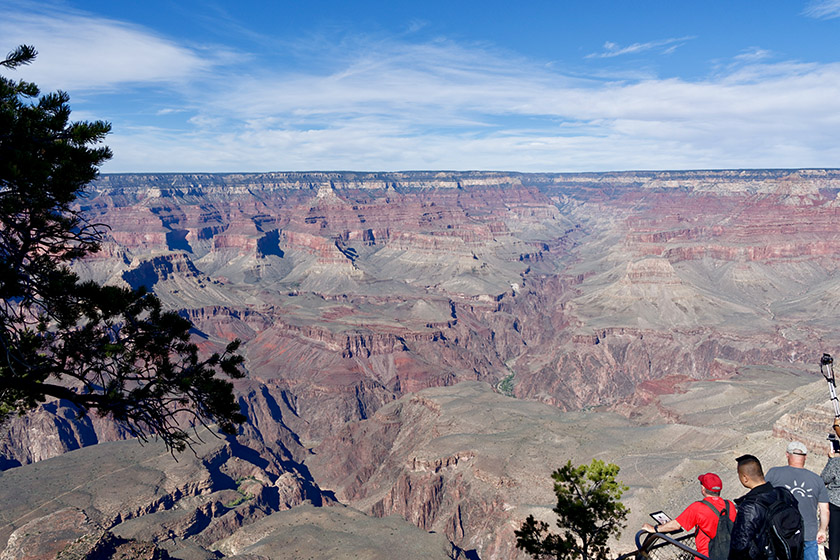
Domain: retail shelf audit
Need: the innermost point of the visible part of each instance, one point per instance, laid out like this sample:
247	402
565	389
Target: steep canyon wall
352	290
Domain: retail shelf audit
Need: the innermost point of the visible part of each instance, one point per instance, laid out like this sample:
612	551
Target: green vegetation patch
505	386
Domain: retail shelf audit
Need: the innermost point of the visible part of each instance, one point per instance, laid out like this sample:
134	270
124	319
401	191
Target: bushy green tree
589	511
107	349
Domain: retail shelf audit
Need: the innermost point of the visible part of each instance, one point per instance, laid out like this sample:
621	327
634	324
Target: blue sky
585	85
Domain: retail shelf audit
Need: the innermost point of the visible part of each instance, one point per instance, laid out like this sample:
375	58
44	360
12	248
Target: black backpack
719	545
786	531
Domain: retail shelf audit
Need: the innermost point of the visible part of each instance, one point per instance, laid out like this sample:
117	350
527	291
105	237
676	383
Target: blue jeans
811	552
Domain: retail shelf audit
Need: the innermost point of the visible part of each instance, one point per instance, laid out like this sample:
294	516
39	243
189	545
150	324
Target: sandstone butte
424	349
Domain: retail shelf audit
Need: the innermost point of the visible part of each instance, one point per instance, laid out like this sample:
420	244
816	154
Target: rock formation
354	293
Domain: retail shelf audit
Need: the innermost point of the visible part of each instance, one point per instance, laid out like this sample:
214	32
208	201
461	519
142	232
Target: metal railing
659	546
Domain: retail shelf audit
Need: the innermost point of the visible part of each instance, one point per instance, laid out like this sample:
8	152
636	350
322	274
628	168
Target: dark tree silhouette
107	349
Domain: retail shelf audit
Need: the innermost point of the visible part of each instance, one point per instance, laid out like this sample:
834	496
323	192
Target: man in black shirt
749	539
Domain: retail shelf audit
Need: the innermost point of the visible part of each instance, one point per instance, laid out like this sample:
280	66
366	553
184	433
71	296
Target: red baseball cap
711	481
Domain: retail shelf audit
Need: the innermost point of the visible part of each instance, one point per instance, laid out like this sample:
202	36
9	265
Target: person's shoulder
774	473
751	510
815	478
693	506
719	501
751	497
812	473
689	516
817	481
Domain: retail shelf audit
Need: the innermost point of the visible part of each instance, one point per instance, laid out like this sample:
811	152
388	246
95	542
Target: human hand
821	536
649	528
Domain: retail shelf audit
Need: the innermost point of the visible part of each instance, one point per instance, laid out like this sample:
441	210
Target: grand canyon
423	349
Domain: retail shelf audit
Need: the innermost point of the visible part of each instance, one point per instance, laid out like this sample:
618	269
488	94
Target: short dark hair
750	466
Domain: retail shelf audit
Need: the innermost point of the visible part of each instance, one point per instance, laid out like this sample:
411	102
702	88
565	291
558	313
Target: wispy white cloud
614	49
79	52
390	104
434	84
441	106
823	9
753	54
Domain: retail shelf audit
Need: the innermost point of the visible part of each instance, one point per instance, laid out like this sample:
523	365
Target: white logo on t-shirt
800	490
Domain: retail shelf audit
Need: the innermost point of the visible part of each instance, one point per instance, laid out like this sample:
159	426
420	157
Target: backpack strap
725	509
719	513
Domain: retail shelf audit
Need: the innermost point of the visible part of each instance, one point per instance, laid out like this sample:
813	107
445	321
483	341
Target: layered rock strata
353	290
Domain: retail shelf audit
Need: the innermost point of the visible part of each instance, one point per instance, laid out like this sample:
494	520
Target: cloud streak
392	104
823	9
667	46
753	54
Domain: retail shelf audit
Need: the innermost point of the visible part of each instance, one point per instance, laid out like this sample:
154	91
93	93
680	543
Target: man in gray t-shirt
809	490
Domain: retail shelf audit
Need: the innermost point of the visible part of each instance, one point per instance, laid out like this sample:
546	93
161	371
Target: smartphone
660	517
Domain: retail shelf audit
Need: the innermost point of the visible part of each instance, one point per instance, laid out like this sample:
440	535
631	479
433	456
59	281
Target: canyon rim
424	348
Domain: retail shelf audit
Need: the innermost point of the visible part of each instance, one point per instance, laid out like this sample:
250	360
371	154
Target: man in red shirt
699	514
